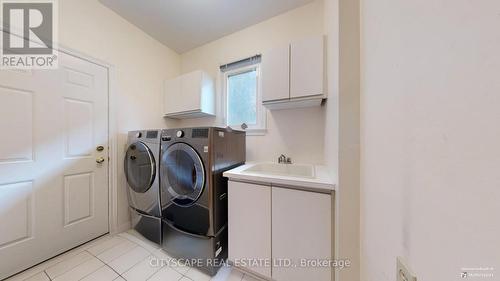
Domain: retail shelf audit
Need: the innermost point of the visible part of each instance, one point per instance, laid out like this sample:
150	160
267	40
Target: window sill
256	132
249	131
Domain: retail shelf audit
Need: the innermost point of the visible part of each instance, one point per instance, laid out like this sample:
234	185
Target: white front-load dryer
141	165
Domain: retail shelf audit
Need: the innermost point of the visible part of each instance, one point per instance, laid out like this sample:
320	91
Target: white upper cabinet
306	69
172	90
275	71
189	96
293	75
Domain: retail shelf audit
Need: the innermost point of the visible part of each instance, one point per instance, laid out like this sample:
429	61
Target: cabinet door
171	101
301	229
306	67
250	224
191	91
275	74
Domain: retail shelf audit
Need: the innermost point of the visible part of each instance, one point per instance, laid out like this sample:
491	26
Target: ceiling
183	25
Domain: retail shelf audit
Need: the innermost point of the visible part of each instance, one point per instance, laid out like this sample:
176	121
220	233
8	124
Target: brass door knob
99	148
100	160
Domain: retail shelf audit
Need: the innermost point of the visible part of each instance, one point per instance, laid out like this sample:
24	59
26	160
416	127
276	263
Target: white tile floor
125	256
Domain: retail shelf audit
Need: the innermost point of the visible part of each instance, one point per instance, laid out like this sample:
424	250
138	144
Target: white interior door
53	193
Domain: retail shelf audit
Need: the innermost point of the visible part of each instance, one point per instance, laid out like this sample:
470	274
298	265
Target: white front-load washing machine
141	166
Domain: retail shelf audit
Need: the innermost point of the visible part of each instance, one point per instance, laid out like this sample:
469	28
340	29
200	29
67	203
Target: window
242	98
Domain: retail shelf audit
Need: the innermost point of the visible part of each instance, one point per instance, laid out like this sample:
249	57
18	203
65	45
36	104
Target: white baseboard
122	227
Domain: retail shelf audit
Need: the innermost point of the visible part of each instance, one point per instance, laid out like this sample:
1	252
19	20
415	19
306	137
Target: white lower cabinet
280	226
301	234
249	226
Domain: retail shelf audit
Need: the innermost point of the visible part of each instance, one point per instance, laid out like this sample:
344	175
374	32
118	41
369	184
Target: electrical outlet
403	271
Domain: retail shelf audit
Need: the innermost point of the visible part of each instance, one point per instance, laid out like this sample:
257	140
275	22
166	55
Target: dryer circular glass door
182	174
140	167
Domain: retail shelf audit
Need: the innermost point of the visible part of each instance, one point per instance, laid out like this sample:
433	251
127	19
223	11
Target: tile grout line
93	271
137	243
161	267
46	274
85	249
119	276
78	266
116	236
136	262
66	259
109	266
76	250
76	253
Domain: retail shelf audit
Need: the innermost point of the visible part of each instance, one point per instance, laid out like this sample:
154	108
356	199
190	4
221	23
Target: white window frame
260	128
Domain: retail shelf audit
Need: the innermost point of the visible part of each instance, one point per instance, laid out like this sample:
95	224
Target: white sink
289	170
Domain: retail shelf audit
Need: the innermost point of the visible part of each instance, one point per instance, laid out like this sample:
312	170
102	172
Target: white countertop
322	180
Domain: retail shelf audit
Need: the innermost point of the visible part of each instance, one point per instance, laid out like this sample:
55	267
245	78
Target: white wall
141	65
297	133
430	137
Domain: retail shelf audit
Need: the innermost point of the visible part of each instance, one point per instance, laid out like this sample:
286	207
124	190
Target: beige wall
141	66
331	27
297	133
430	137
342	128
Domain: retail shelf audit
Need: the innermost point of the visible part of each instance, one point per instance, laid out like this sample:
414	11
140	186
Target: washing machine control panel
152	134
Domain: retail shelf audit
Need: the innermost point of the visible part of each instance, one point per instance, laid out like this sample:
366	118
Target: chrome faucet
284	160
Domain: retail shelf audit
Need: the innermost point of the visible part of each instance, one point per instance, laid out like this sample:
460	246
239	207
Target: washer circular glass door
140	167
182	174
